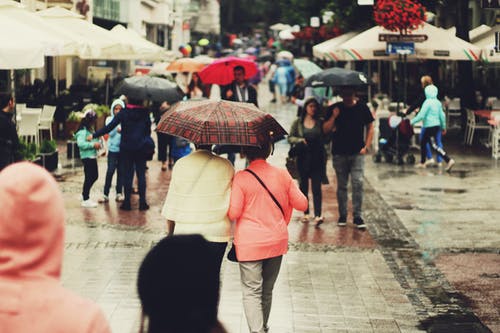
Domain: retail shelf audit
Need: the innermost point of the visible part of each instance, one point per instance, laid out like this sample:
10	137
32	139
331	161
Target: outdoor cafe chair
453	109
472	125
28	127
46	119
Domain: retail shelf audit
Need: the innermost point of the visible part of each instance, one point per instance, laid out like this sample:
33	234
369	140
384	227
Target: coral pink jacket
261	229
31	249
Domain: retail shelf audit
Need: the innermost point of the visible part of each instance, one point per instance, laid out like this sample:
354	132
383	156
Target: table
493	119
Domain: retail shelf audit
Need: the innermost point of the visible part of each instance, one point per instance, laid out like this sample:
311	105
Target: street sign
490	4
391	38
400	48
365	2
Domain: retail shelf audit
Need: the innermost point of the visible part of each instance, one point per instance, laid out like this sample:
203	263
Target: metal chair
46	118
453	110
472	126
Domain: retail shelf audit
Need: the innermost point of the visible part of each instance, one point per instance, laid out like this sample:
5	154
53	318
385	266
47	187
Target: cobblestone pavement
429	260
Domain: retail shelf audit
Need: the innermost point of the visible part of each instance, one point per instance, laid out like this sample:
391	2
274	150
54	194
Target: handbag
148	148
231	255
291	166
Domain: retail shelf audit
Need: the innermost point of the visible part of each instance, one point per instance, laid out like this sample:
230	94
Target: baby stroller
395	141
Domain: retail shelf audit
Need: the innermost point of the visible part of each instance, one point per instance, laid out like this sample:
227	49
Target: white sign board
366	2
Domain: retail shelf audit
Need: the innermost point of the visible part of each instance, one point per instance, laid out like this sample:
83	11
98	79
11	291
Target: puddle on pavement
403	207
444	190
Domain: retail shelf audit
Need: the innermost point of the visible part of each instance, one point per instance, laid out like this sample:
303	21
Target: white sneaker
103	199
450	165
119	197
89	204
440	165
429	162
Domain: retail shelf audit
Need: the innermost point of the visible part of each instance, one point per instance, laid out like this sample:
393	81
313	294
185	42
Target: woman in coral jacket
260	233
32	241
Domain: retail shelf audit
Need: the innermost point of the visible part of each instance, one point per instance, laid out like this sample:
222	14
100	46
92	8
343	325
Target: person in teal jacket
433	118
88	154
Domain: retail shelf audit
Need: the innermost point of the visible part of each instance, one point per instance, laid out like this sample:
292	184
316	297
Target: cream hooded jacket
32	298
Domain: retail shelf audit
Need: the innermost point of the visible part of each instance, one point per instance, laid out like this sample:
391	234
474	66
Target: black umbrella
334	77
149	88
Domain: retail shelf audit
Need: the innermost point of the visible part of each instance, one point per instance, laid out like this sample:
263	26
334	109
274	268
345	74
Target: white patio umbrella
486	41
286	34
328	50
26	38
473	33
280	26
94	42
142	48
439	45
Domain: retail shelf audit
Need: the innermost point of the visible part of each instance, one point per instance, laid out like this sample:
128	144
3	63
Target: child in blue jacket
433	118
88	154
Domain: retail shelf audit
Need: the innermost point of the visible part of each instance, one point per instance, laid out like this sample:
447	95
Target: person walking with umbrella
347	121
135	145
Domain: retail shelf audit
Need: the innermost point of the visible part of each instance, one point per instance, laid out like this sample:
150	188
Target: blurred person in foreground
198	198
9	141
32	241
261	229
178	286
348	121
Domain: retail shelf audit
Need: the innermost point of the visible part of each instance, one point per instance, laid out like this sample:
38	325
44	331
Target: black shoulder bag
231	255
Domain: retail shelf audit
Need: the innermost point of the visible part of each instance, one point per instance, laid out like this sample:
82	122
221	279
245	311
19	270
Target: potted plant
29	152
72	123
102	111
48	153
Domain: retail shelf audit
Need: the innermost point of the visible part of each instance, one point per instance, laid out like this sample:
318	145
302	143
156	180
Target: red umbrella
220	122
221	71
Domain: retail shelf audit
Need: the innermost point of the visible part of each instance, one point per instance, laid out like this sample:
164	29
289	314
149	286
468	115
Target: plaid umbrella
221	70
220	122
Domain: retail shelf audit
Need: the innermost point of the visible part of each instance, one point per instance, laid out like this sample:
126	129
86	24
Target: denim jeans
113	165
344	166
134	161
428	148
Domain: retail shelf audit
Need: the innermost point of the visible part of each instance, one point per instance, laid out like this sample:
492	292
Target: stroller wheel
377	158
410	159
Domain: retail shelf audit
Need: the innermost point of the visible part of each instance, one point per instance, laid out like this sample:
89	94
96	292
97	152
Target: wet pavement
429	259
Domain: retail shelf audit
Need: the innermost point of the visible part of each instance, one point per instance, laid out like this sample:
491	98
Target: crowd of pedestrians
207	203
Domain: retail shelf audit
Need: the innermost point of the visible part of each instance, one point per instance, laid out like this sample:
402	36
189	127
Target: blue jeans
113	165
134	161
428	149
344	166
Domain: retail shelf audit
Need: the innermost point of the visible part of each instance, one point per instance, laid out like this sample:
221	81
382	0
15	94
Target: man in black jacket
238	91
9	142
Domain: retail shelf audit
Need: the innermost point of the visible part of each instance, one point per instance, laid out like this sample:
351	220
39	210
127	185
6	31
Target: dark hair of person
239	68
311	100
255	153
5	98
88	121
178	286
198	84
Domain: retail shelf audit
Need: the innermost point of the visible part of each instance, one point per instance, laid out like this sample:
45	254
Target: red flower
399	15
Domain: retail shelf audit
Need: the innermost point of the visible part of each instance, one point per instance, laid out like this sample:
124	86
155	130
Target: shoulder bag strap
264	185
